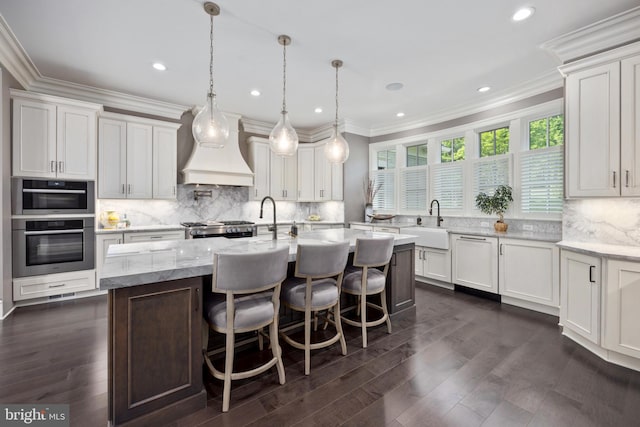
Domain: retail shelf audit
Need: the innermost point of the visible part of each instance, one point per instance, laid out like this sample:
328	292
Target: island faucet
274	228
439	219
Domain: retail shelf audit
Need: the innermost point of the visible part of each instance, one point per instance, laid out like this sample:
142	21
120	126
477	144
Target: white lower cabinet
148	236
53	284
621	314
529	271
475	262
433	263
580	296
103	241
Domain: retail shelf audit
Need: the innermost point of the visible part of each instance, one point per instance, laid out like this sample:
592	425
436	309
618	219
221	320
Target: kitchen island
155	303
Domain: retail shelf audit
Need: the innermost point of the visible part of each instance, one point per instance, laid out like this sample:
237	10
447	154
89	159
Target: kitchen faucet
274	228
439	219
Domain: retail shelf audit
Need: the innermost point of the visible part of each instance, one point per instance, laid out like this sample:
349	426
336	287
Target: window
541	175
386	159
447	185
417	155
494	142
413	189
546	132
452	150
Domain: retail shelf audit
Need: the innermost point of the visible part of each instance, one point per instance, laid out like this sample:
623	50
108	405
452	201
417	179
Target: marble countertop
150	262
629	253
475	231
139	228
304	221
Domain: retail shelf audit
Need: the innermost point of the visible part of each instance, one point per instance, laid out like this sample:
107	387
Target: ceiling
441	51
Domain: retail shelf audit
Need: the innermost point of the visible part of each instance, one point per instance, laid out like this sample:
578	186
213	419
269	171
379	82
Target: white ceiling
442	51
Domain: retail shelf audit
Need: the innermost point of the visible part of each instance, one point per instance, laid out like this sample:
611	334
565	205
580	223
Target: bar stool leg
228	369
260	340
383	303
363	320
276	350
307	340
336	316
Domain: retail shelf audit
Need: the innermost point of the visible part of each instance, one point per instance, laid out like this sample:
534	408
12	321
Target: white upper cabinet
306	174
260	164
53	137
284	177
322	185
165	163
602	116
137	158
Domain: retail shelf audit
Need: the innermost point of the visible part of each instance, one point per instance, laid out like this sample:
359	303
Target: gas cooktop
215	223
219	228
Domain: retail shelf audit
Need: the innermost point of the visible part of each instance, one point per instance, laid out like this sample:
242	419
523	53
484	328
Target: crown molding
14	58
551	80
602	35
109	98
612	55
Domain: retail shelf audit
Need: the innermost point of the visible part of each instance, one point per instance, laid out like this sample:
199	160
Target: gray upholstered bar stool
245	297
364	279
316	287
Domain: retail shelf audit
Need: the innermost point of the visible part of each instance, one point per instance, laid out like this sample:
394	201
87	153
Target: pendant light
210	127
337	149
283	139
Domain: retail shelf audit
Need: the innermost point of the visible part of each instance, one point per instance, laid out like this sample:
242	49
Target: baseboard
541	308
423	281
47	300
607	355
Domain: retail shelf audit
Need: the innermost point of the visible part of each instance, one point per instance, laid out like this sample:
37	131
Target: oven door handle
31	190
40	233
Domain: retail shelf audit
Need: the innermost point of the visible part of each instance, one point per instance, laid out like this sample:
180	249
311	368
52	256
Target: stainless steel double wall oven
53	226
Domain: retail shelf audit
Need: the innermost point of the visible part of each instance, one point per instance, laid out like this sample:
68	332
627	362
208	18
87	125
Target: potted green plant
496	204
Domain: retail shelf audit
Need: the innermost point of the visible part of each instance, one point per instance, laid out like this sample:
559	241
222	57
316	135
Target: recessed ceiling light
523	13
318	110
400	114
394	86
255	92
159	66
484	89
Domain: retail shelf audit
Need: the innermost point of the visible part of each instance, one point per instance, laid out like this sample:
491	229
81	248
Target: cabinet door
630	126
529	270
475	262
139	161
580	294
419	264
259	159
153	236
112	159
277	177
165	163
593	132
337	182
34	139
401	283
76	145
437	264
103	241
621	314
290	177
322	175
306	174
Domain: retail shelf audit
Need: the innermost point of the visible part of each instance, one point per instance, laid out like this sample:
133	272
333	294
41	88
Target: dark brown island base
155	317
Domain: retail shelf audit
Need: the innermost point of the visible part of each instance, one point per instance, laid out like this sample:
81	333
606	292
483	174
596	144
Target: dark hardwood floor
460	361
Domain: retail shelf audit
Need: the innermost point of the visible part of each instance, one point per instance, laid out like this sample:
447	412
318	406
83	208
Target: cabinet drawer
361	227
53	284
150	237
386	229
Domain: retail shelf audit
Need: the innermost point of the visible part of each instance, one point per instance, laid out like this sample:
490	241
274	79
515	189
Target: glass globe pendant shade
337	149
210	127
283	138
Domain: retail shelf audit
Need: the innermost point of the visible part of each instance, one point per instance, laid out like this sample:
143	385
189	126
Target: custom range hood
221	166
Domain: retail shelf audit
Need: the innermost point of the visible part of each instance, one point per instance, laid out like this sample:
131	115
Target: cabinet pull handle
626	178
53	166
256	191
174	190
473	238
614	179
197	298
591	267
122	188
60	166
57	286
129	188
500	248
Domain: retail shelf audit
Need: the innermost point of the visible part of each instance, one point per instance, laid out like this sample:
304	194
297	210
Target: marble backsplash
226	203
614	221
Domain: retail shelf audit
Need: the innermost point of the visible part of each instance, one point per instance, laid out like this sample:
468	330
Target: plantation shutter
413	189
489	173
541	180
447	185
386	198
